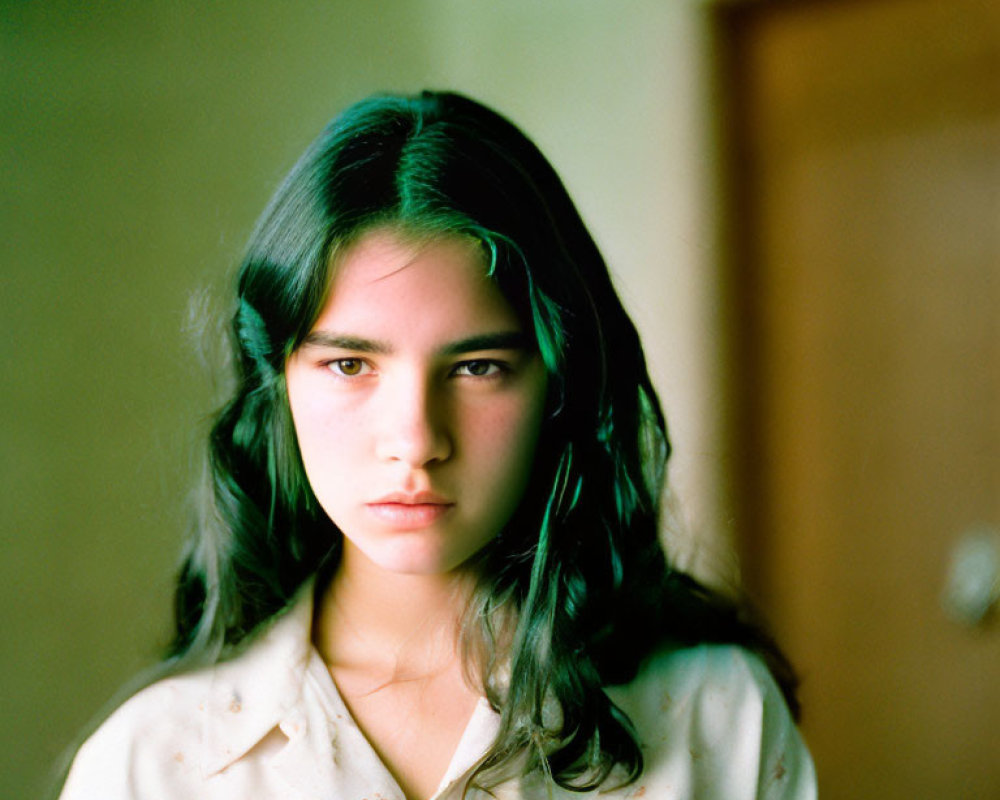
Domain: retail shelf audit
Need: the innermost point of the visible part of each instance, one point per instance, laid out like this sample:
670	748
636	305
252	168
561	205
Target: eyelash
336	366
495	369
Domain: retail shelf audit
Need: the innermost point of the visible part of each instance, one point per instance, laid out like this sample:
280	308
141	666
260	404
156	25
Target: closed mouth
408	515
413	499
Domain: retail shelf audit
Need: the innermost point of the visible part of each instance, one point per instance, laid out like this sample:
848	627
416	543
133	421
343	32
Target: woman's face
417	400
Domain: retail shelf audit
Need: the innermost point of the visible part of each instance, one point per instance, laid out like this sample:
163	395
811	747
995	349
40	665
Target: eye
347	367
481	368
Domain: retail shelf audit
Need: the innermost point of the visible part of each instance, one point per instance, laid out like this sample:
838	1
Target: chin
422	552
413	558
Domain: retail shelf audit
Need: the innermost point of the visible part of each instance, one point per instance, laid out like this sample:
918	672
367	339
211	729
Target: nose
413	426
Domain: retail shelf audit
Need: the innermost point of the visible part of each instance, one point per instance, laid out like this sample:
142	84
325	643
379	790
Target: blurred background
800	202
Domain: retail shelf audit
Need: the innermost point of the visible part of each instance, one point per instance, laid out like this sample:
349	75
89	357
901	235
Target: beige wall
140	142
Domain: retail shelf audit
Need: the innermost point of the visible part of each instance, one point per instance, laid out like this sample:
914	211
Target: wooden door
862	144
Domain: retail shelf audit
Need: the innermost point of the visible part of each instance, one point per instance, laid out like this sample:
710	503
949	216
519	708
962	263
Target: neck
388	625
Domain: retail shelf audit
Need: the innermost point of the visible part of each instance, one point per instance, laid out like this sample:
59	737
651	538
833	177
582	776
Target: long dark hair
576	591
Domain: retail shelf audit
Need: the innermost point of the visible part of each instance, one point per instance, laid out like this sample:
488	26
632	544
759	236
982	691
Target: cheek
506	446
327	442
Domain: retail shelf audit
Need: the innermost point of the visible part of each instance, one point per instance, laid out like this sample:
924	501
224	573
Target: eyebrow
502	340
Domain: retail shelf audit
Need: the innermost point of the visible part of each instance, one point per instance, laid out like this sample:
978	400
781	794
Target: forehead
389	280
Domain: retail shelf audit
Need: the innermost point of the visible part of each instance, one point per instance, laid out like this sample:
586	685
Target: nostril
415	446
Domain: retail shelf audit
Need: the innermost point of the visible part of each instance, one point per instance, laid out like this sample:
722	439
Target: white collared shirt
270	724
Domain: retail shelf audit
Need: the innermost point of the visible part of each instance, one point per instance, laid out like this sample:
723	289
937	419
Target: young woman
431	563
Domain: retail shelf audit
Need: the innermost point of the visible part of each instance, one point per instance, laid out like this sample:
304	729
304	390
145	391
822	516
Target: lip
404	511
413	499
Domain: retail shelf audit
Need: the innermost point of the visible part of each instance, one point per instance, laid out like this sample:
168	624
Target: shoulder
150	740
174	736
711	681
713	719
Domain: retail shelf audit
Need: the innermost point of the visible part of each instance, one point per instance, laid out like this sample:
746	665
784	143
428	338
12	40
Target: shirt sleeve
99	769
743	740
785	770
139	752
714	725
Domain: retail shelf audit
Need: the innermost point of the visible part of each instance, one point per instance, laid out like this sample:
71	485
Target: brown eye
348	366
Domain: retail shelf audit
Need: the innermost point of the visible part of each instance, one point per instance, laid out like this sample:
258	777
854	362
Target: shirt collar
262	689
478	736
252	694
